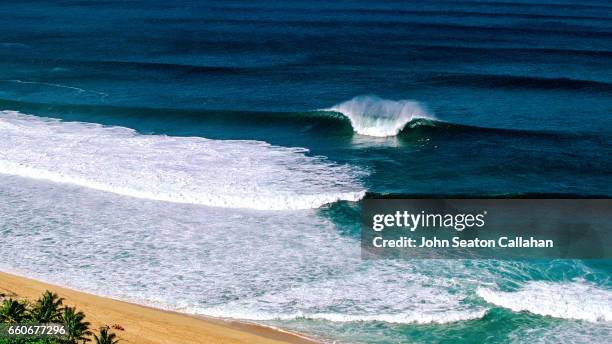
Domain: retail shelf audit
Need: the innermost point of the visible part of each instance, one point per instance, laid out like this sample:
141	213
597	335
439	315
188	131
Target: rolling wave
397	25
327	120
220	173
427	50
515	81
510	53
370	11
373	116
393	121
531	4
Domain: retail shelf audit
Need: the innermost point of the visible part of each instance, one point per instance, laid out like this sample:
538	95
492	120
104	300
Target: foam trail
374	116
575	300
221	173
416	317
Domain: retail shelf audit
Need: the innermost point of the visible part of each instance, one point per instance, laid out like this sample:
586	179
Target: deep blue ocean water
520	92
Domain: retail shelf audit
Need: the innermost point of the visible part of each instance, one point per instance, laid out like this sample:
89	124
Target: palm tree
47	308
12	311
106	337
76	329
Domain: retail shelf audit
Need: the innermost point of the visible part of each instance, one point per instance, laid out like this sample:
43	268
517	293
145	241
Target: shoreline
148	325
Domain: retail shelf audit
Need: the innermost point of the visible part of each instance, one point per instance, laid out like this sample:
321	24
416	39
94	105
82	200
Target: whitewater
239	137
64	184
222	173
226	262
371	115
567	300
190	214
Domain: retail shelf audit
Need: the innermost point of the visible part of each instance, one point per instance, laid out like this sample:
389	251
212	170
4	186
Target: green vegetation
77	329
12	311
106	337
49	308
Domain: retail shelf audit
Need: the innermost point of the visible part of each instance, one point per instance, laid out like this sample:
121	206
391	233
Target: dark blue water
541	70
521	90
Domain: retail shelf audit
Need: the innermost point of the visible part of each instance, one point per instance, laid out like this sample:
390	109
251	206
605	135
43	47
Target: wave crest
373	116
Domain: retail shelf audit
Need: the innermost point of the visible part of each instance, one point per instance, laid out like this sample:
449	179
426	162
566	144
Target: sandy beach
146	325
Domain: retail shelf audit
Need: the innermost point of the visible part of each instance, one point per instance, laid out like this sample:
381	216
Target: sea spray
373	116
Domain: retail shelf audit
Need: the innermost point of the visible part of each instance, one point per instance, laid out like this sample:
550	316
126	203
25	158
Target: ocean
211	157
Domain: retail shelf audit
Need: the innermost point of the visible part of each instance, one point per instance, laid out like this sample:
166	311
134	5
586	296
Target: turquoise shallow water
517	101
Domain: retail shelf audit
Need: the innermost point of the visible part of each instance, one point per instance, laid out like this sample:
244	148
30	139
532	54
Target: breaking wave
374	116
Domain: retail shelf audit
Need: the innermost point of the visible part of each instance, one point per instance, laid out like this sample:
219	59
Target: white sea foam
236	263
275	267
570	300
566	332
221	173
414	317
375	291
374	116
227	262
